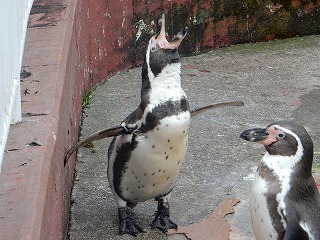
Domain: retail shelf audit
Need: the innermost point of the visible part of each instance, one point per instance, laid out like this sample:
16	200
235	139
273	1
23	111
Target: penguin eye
281	135
153	49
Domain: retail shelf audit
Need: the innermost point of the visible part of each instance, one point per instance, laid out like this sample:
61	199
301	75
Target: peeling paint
46	13
108	15
141	26
274	7
123	20
103	31
100	52
120	39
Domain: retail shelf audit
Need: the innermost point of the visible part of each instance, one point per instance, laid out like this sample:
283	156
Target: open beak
160	37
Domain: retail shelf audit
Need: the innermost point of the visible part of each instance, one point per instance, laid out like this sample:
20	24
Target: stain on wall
112	35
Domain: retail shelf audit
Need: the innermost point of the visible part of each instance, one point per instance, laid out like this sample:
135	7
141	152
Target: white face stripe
150	73
289	132
282	167
305	227
280	163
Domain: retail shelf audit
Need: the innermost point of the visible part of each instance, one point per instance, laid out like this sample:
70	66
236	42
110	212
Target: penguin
285	202
144	163
149	146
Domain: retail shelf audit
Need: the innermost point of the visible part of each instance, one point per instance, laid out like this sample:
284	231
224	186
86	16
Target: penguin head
282	138
160	51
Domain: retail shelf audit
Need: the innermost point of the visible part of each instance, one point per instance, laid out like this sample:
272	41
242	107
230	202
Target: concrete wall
75	45
14	16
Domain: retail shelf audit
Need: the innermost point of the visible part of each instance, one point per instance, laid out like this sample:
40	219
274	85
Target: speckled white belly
260	217
156	161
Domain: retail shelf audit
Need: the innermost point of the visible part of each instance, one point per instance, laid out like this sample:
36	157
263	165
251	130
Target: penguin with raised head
144	162
149	146
285	202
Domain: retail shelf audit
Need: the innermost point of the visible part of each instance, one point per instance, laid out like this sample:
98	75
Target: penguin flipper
295	232
127	126
110	132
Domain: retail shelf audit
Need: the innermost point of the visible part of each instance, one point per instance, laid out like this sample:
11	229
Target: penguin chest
155	162
262	211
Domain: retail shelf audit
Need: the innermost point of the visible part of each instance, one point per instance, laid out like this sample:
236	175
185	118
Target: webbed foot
162	219
126	225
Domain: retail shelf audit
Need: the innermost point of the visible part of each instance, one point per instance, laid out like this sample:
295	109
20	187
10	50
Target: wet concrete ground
275	80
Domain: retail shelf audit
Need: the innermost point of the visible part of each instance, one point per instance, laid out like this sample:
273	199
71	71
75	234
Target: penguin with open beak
145	161
285	202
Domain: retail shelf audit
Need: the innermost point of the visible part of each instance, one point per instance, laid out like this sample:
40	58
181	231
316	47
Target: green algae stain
276	25
303	23
217	23
196	21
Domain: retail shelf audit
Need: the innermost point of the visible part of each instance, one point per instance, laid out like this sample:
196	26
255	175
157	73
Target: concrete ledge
35	187
74	45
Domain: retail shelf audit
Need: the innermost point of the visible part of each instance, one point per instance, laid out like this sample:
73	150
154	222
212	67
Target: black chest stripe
167	109
119	167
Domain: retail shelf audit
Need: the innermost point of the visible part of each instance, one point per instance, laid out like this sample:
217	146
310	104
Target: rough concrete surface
275	80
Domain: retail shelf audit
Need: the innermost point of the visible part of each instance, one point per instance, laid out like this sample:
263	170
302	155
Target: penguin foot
162	219
126	225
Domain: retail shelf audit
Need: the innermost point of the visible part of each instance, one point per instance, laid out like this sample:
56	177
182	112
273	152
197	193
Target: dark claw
162	219
126	225
163	223
126	129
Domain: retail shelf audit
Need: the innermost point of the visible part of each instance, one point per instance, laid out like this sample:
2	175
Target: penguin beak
265	136
160	37
255	135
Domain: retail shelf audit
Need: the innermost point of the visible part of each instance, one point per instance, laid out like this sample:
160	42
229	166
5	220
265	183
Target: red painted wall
107	31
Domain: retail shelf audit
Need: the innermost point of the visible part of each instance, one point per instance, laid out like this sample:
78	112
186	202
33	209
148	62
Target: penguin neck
283	168
168	78
164	87
300	162
282	164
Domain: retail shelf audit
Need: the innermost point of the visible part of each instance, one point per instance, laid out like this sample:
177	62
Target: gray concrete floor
275	80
